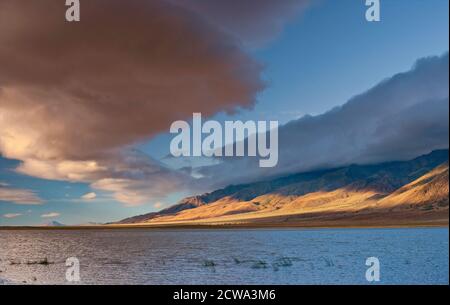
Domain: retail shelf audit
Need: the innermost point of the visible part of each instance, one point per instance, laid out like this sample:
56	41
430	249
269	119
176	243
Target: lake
203	256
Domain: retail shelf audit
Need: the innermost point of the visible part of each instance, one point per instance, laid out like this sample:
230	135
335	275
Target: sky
81	146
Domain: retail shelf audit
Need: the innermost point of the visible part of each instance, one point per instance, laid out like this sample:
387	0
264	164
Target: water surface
148	256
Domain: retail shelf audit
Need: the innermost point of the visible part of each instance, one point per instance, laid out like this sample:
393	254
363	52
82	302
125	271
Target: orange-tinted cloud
18	196
74	97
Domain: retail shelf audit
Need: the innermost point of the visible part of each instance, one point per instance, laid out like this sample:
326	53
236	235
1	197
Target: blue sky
325	56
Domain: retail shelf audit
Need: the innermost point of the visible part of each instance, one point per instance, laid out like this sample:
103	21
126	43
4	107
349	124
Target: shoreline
339	220
222	227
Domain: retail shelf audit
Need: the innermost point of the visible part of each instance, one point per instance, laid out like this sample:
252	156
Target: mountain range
413	192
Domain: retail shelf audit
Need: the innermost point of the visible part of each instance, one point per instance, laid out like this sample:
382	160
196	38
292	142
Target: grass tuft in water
43	261
209	263
259	265
328	262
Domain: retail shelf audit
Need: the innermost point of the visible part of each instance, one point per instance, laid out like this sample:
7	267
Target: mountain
53	223
392	192
429	191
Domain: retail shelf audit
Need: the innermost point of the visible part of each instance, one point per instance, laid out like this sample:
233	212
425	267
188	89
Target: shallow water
147	256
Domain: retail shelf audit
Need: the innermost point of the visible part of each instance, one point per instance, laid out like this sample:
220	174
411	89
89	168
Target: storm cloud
76	97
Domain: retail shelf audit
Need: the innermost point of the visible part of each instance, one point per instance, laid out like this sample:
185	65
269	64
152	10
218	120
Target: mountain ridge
302	192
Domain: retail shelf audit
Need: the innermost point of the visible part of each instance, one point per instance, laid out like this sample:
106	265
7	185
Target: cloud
89	196
400	118
50	215
18	196
252	22
12	215
75	97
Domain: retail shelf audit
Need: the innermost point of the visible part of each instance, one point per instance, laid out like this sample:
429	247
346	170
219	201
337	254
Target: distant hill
53	223
417	188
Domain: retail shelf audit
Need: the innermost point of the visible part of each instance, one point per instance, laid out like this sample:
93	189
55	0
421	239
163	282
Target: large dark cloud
400	118
126	71
75	96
